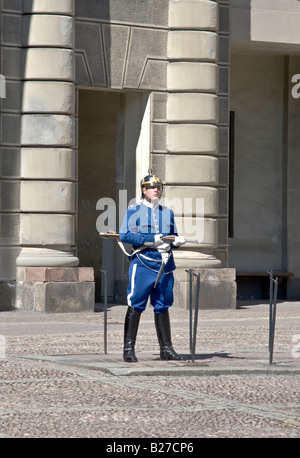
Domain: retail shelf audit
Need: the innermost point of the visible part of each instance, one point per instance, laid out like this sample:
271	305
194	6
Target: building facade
98	92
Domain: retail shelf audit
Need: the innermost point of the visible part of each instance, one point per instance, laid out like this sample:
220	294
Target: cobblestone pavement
56	380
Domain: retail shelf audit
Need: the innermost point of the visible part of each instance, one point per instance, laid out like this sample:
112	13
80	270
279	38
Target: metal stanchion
193	329
190	272
196	315
105	310
272	314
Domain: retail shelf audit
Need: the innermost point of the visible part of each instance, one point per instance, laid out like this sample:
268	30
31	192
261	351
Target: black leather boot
131	325
163	329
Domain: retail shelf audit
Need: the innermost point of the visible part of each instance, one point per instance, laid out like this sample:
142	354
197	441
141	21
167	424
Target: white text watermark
2	87
296	89
189	215
2	347
296	347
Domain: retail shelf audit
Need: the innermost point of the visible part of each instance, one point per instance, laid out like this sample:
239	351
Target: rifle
165	238
165	256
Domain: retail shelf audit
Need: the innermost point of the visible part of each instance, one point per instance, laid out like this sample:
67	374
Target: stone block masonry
55	289
217	288
48	137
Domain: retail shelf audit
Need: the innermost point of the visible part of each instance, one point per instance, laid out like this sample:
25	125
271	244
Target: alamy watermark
296	89
2	347
296	347
2	87
189	215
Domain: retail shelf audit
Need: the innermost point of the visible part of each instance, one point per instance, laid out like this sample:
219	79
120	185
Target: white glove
179	240
157	240
164	248
165	257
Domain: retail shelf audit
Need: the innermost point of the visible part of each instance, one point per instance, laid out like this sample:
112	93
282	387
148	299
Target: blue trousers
141	286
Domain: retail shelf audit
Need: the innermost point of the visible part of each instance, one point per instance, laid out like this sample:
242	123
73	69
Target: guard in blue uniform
143	227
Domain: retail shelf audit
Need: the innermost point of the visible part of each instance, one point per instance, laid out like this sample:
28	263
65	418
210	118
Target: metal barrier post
272	314
196	316
193	329
105	310
190	272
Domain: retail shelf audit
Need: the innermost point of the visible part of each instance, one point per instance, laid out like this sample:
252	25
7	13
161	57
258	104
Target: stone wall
180	52
177	51
121	47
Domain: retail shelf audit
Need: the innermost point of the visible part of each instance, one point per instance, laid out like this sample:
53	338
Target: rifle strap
121	245
130	254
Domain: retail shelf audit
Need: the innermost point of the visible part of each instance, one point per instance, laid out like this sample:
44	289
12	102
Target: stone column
10	107
192	163
48	139
48	186
192	114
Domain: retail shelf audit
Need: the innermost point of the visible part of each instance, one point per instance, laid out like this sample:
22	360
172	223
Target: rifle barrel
108	234
166	238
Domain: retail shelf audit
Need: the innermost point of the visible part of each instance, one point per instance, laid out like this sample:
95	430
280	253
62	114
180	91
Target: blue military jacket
140	224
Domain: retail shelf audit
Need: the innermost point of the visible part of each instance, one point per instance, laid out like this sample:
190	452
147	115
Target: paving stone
57	381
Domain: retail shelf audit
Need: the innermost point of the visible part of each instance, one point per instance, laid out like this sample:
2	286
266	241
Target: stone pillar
48	139
10	91
192	112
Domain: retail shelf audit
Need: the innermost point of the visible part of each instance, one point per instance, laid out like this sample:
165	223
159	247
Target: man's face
151	192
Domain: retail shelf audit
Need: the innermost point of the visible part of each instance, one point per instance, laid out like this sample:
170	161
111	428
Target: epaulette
133	206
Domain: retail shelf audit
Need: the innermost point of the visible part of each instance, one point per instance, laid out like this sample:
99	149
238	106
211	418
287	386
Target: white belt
134	252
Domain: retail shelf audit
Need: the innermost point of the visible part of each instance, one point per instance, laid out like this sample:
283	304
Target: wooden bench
264	275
